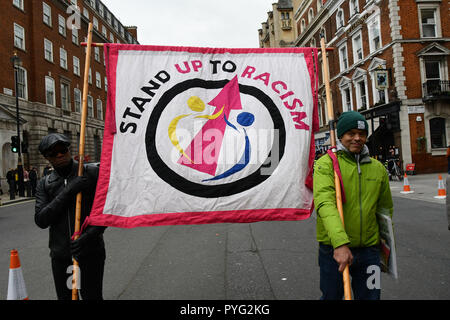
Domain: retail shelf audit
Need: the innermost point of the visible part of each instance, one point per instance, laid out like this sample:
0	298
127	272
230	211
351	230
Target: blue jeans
331	283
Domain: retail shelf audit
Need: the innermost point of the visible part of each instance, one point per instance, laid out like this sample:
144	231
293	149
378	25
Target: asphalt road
259	261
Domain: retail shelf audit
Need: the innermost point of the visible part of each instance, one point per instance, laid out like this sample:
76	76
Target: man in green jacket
367	193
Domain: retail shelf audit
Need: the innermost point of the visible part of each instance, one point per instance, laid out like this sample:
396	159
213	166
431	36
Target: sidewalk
425	187
5	199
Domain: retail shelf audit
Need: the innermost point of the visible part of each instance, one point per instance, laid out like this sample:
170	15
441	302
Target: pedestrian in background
33	180
367	191
55	208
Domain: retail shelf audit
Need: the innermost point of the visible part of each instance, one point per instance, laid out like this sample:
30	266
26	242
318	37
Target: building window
97	54
104	32
98	80
354	8
86	13
75	35
90	105
374	34
95	23
361	93
65	96
340	19
77	99
18	4
302	25
90	76
343	58
48	50
19	37
432	76
428	22
357	48
437	133
310	15
22	90
63	58
101	10
99	109
346	99
47	14
106	84
319	4
50	91
76	66
61	25
111	37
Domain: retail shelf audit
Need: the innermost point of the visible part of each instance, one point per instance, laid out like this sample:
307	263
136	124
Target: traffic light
15	144
24	147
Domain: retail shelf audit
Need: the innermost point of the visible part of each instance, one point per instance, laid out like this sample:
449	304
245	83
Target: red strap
337	170
78	233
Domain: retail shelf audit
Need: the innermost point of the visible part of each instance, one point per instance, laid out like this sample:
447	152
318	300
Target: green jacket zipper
360	200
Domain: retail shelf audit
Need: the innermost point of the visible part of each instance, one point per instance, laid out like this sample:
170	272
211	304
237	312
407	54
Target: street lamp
17	62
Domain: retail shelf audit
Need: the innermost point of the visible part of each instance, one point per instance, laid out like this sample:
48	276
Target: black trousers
91	277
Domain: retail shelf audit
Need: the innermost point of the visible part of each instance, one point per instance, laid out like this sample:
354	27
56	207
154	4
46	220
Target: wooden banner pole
76	270
326	74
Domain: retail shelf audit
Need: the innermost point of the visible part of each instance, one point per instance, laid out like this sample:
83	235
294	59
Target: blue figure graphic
245	119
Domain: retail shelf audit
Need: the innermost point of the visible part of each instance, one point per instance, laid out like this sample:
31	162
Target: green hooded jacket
367	193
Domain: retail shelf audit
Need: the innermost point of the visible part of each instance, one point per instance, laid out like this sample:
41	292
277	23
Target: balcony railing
436	89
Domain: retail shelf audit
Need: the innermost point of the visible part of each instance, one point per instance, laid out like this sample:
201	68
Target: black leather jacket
55	208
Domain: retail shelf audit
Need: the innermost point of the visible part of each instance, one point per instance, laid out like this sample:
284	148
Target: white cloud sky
204	23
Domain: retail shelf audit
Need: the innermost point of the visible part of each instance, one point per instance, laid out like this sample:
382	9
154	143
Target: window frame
76	66
99	109
19	5
443	133
341	60
90	106
24	84
62	29
437	17
370	22
63	63
53	102
17	27
98	80
46	41
48	15
356	58
77	103
65	103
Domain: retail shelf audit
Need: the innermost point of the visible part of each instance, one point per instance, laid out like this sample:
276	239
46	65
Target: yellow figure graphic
197	105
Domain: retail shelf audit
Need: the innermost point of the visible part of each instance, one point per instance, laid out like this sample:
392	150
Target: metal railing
435	88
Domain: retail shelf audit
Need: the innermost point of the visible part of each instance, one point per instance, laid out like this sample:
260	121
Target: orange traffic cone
406	186
16	283
441	189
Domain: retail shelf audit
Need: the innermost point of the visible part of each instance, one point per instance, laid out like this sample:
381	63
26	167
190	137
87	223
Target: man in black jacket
55	208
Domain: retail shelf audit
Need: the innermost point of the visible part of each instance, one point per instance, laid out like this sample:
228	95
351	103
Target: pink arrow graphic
208	141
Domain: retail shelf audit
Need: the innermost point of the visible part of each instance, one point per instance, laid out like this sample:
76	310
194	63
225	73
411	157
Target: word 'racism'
290	101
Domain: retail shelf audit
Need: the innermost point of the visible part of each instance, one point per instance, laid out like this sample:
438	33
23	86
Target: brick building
46	36
390	62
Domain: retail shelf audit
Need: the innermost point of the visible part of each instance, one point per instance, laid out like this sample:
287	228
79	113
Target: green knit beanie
351	120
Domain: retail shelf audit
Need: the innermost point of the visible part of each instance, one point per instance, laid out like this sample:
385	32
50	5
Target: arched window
302	25
340	19
310	15
437	133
